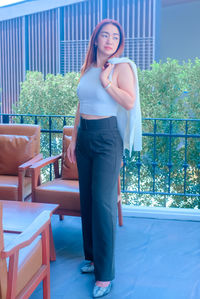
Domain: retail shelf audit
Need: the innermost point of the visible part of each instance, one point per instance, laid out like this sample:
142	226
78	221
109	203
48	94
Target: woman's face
108	40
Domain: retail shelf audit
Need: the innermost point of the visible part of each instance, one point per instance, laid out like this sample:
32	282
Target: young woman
106	87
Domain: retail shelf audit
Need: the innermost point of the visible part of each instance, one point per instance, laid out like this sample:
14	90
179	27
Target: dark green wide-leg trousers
99	151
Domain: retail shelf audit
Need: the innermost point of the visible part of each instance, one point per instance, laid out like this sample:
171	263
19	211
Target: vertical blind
42	31
12	51
136	17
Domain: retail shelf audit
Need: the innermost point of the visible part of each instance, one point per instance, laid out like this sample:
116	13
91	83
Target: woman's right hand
71	152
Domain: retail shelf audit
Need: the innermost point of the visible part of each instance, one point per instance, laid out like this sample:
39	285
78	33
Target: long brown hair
91	55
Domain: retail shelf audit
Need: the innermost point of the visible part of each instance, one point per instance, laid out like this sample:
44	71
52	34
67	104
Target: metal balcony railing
168	167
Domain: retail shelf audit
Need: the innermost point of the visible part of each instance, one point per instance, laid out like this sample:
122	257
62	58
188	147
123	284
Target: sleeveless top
93	98
129	121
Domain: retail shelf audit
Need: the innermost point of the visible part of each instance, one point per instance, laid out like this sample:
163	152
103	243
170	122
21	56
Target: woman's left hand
104	76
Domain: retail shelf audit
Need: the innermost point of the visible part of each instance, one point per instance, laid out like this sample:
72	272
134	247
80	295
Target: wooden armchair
19	149
24	259
64	189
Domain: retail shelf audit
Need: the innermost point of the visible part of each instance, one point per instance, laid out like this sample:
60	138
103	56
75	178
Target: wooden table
18	215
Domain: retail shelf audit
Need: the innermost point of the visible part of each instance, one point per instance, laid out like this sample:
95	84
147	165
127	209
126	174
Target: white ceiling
9	2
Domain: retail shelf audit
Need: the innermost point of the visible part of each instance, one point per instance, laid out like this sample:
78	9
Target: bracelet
107	86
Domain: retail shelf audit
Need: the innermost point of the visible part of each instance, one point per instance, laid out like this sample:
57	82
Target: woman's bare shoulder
123	67
124	70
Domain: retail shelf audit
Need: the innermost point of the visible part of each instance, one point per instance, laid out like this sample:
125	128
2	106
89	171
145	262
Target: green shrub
168	90
56	95
171	90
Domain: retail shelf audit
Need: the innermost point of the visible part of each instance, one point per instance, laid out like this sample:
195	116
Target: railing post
50	123
5	119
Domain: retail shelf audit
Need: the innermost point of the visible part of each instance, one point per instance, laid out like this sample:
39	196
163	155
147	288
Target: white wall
180	31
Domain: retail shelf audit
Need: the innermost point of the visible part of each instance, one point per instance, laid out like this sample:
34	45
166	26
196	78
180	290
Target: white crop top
94	99
91	93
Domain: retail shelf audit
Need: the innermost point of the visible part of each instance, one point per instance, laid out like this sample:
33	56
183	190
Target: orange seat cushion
62	192
9	187
30	260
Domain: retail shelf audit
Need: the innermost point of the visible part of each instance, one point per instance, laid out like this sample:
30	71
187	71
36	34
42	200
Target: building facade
53	37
